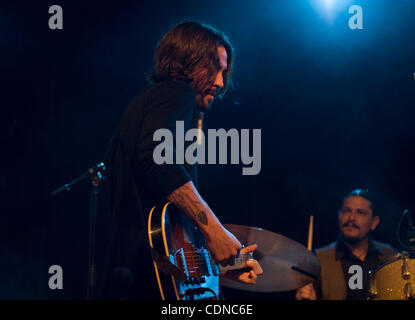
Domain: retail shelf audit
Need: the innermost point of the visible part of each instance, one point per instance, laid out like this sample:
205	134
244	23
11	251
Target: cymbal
287	264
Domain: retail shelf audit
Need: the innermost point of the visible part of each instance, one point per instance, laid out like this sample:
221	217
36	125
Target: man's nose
352	216
219	80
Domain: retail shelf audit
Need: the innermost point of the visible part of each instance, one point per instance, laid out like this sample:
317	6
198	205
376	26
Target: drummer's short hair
368	195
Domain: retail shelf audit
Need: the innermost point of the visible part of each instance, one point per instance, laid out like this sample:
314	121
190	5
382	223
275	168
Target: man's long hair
189	52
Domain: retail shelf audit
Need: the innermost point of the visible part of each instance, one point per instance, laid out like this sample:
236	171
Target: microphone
98	169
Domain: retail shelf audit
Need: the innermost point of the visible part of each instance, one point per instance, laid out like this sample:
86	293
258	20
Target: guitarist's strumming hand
250	276
222	244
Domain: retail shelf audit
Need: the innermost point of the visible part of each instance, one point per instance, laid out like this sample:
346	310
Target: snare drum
394	280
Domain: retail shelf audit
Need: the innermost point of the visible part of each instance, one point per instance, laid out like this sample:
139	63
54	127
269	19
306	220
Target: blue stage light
329	9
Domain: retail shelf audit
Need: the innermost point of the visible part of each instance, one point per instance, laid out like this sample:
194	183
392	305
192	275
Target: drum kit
394	280
288	265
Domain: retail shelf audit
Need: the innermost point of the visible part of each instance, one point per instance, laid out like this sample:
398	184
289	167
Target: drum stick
310	234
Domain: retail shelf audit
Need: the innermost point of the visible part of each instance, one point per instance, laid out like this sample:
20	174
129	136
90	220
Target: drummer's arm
308	292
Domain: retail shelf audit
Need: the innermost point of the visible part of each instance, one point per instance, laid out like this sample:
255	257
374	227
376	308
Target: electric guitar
184	267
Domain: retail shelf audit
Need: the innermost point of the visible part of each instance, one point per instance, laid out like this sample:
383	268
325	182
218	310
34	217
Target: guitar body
176	239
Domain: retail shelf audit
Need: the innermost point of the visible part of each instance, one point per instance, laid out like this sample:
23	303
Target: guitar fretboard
199	262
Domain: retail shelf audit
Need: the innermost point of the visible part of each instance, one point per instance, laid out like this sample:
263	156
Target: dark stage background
335	107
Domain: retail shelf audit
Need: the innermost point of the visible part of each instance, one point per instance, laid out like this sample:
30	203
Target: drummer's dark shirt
348	259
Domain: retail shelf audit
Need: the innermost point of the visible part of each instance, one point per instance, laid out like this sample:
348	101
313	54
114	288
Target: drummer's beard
352	240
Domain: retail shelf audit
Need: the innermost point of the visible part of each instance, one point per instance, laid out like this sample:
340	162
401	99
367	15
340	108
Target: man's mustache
350	224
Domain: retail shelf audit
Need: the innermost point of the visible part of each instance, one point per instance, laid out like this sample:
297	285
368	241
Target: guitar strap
165	265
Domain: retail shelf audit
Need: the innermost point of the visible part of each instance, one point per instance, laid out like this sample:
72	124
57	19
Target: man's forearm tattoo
186	201
202	217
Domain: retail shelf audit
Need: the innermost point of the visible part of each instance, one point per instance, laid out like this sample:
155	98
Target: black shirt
166	103
370	262
136	183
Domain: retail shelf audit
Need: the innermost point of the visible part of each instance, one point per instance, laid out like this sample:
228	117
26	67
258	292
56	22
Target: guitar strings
197	255
201	257
205	261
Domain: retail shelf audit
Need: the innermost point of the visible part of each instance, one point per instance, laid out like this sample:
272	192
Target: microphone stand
97	174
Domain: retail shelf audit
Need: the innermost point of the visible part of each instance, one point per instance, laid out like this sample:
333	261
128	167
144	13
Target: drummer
352	255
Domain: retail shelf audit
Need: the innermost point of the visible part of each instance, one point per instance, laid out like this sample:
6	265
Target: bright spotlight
328	3
328	9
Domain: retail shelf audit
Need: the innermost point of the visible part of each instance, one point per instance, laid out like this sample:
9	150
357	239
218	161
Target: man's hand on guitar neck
222	245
